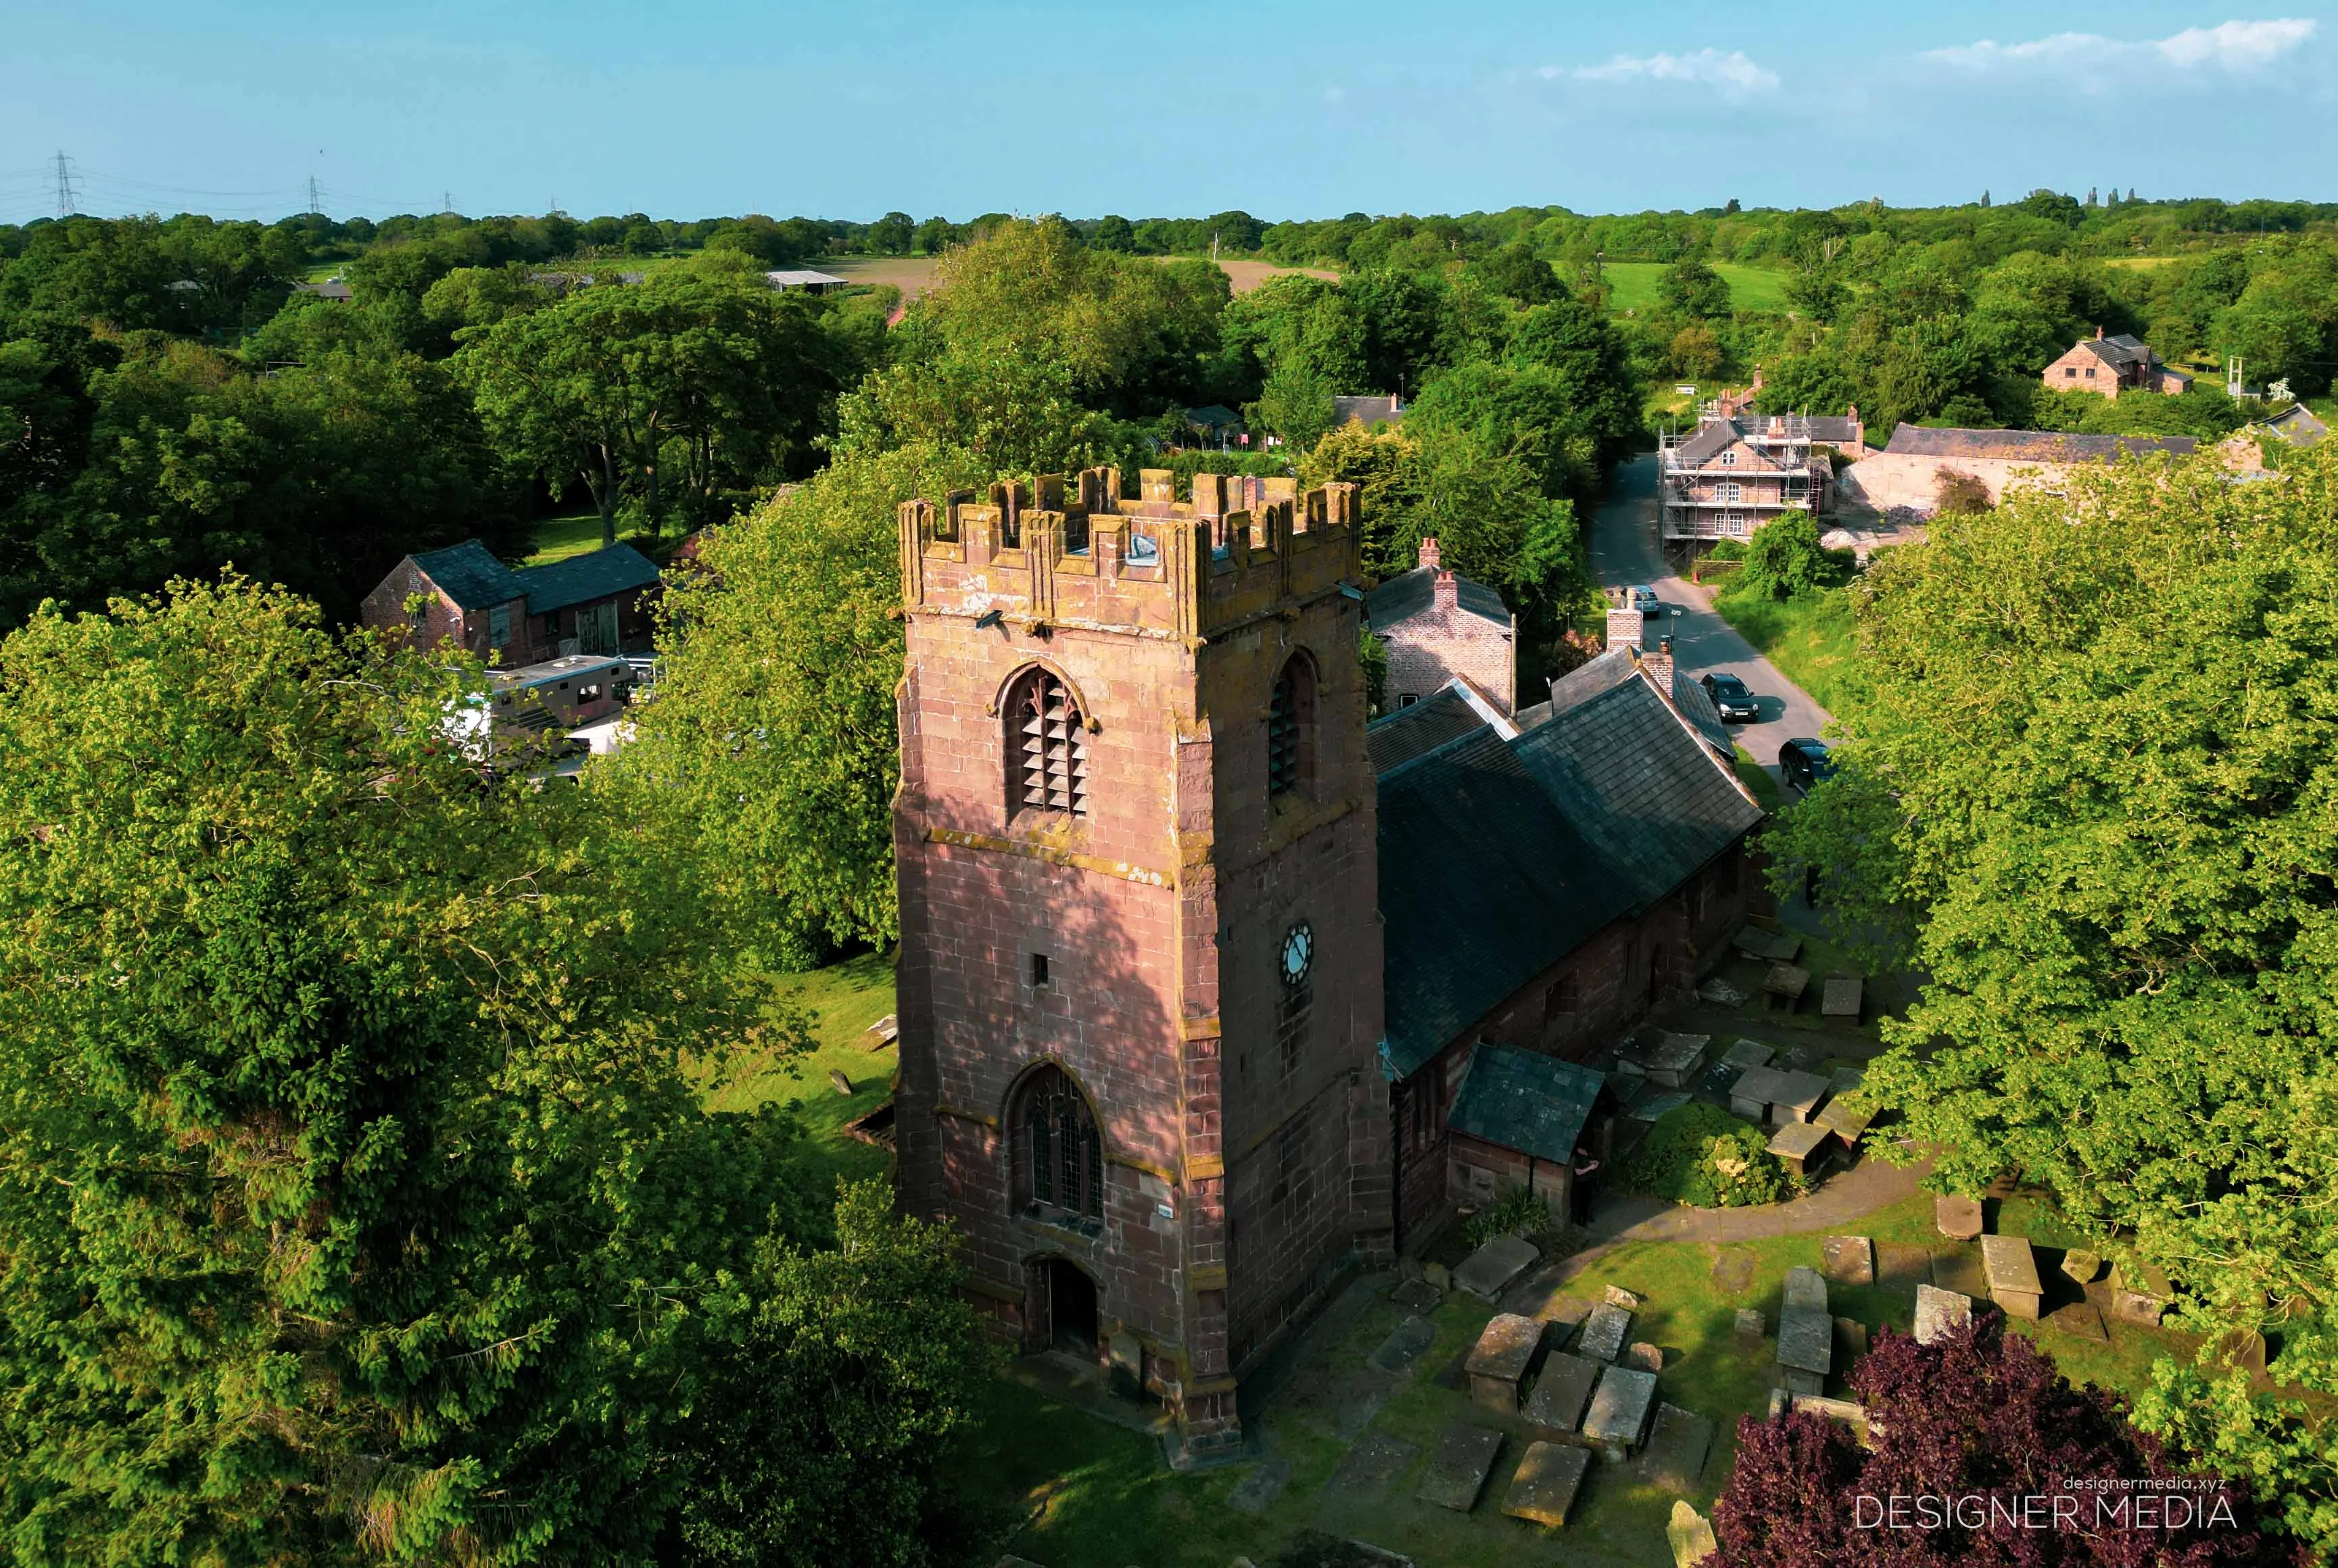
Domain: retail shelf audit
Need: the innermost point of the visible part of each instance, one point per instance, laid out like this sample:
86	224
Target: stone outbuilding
1517	1120
1436	625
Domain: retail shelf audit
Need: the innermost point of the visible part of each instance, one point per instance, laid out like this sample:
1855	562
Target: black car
1730	698
1804	763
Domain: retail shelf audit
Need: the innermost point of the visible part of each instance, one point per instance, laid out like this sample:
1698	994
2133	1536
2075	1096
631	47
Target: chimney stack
1449	595
1624	628
1659	664
1429	559
2098	334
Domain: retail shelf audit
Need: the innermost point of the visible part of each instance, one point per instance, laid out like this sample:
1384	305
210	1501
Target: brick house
1138	982
1541	890
2110	366
1437	625
596	602
1741	470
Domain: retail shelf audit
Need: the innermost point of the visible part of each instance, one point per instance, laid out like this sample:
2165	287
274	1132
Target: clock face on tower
1297	953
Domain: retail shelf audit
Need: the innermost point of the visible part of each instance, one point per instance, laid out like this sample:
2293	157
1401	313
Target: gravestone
1850	1342
1677	1446
2140	1292
1374	1465
1360	1397
1804	1287
1750	1095
1673	1060
1649	1107
1690	1535
1436	1274
1805	1349
2081	1320
1849	1259
1748	1053
1604	1333
2012	1270
1797	1096
1898	1267
1733	1271
1262	1488
1616	1296
1721	993
1505	1353
1957	1219
1803	1147
1491	1267
2082	1265
1752	1327
1564	1313
1458	1466
1417	1298
1844	1117
1940	1313
1545	1483
884	1032
839	1081
1561	1393
1647	1357
1716	1081
1622	1407
1407	1343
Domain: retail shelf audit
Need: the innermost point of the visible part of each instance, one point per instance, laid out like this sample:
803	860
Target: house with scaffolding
1738	470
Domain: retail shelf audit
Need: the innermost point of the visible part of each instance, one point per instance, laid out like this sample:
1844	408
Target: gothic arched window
1058	1154
1291	728
1047	748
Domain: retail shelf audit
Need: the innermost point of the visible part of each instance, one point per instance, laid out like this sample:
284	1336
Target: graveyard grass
1075	1490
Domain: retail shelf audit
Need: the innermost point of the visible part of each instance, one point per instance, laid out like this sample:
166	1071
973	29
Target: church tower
1140	966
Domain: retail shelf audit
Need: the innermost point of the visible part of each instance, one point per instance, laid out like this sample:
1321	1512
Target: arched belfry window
1058	1154
1291	728
1047	748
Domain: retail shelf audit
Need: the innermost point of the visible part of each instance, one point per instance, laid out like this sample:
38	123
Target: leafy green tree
1784	558
1294	406
1113	232
2093	775
1692	289
1518	272
480	297
890	235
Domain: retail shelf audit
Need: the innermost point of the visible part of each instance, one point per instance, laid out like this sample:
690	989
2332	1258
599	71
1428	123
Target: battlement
1075	552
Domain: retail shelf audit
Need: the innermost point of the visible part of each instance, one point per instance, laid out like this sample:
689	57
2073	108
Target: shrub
1703	1156
1519	1213
1955	492
1784	558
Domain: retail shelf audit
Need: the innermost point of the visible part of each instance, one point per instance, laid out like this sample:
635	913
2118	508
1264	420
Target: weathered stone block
1690	1535
1458	1466
1957	1219
1940	1313
1491	1269
2012	1270
1561	1392
1678	1444
1849	1259
1752	1327
1545	1483
1622	1407
1505	1353
1603	1334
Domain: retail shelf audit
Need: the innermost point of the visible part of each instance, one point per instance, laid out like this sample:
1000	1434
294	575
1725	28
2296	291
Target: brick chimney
1624	628
1659	664
1448	594
2098	334
1428	555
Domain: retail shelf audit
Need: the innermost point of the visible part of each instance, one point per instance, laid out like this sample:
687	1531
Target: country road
1624	550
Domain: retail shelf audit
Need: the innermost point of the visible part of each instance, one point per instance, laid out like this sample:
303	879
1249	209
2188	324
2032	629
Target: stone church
1146	1059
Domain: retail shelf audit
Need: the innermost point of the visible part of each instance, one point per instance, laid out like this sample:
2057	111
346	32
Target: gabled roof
2121	349
1483	885
1409	594
1525	1101
1213	416
1400	737
1638	784
1833	428
2297	426
1592	677
470	575
600	573
1695	706
2030	445
801	277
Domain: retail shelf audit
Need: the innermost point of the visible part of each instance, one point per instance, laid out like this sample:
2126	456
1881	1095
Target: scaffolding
1707	495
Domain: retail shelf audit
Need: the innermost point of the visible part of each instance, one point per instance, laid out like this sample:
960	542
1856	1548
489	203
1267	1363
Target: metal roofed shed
805	278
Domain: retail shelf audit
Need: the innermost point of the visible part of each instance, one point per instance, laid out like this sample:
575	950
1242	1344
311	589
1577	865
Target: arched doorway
1064	1309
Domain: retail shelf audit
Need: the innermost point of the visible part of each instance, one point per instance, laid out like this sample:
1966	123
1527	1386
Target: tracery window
1048	761
1058	1153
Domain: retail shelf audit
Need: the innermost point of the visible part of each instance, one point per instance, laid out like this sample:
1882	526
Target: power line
312	196
65	185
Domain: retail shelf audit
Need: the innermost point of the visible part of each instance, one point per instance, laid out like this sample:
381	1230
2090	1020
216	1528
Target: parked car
1805	763
1641	597
1730	698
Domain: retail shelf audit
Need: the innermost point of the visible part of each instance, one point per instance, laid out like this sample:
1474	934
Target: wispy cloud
1735	73
2227	46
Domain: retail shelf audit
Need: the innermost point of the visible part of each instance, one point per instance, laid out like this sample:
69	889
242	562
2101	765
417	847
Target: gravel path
1845	1196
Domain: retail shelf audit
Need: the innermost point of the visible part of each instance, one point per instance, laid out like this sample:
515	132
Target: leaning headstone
1616	1296
1752	1327
1647	1357
1417	1298
1458	1466
1545	1486
1561	1393
1491	1267
1957	1219
1376	1462
1621	1408
1677	1446
1503	1356
1407	1343
2140	1292
1690	1534
1604	1333
2012	1270
839	1081
1940	1313
1804	1287
1849	1259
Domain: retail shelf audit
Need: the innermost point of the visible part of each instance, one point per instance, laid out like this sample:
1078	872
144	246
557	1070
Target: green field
1632	286
558	538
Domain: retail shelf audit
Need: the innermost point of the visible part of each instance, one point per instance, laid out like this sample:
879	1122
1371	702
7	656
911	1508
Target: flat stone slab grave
1621	1408
1849	1259
1376	1462
1803	1145
1407	1343
2083	1319
1257	1492
1748	1053
1491	1267
1806	1343
1733	1271
1545	1486
1458	1468
1672	1059
1604	1333
1561	1392
1505	1353
1678	1446
2012	1270
1417	1298
1940	1312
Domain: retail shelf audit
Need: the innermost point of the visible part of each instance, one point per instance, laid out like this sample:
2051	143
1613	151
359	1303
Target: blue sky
1287	108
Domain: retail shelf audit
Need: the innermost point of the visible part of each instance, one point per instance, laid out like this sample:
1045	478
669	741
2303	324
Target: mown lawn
558	538
1810	637
1632	286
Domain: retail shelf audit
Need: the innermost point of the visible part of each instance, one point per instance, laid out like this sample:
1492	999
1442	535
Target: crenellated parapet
1076	553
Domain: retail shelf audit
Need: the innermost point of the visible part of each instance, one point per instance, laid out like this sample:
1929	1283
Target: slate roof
1592	677
1639	787
470	575
1443	715
1525	1101
600	573
2297	426
1698	708
1710	441
1483	885
2121	349
1835	428
2030	445
1408	594
1376	409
